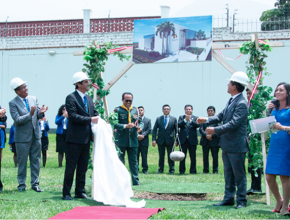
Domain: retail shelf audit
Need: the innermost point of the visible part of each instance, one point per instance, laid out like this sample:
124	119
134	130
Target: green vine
258	107
96	57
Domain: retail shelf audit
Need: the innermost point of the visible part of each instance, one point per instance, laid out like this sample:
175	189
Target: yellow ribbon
129	113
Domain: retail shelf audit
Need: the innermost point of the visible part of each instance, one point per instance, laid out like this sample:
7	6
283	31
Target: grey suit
27	139
233	141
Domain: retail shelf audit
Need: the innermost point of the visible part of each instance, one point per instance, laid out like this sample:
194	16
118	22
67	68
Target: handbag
177	155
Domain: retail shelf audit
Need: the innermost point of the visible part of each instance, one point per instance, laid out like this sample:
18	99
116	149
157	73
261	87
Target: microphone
274	100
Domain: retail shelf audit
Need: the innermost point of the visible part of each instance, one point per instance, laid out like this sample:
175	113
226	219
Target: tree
200	35
165	30
277	18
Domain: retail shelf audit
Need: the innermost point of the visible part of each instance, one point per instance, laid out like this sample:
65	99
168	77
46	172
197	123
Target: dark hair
141	107
60	110
211	107
247	89
126	93
239	86
79	83
166	105
188	106
287	87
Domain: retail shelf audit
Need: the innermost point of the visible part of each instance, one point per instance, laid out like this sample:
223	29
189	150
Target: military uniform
126	139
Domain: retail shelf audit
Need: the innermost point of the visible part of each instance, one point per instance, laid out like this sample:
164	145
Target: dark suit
207	145
165	140
143	144
188	140
3	119
78	137
233	139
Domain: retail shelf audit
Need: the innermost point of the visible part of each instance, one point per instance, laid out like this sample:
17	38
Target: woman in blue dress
2	136
278	162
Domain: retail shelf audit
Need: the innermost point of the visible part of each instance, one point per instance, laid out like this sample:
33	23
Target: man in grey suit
25	112
143	140
233	140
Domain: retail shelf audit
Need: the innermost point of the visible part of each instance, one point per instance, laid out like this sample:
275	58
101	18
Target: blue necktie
187	130
165	121
26	103
86	103
230	101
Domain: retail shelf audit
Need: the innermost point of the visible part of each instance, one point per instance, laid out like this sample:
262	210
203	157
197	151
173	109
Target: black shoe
81	196
171	173
193	173
1	189
182	173
145	172
240	206
21	190
205	171
137	184
67	197
224	203
36	189
250	191
216	172
159	172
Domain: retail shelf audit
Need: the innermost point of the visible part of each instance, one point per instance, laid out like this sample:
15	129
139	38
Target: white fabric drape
111	179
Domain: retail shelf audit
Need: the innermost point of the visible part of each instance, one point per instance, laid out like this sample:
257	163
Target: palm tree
165	30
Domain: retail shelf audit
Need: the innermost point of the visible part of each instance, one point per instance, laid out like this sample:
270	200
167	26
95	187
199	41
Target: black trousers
256	181
143	150
192	154
161	150
77	157
235	177
215	158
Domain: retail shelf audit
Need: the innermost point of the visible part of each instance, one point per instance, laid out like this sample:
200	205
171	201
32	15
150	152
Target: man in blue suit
233	140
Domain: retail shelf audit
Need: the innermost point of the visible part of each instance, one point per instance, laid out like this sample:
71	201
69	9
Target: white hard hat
16	82
240	77
177	155
78	77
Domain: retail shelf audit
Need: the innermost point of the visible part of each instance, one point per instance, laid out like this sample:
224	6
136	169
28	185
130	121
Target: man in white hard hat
233	140
81	113
25	112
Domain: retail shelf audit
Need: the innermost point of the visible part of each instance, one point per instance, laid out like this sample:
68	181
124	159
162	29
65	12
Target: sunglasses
128	100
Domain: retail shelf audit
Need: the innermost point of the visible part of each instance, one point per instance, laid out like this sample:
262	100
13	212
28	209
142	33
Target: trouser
133	163
256	181
77	157
33	150
192	154
161	150
235	176
214	153
143	150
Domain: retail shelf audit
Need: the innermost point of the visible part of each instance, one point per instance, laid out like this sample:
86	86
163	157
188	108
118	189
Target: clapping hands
43	109
2	112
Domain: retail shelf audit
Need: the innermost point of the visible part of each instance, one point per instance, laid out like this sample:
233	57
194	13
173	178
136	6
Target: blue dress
2	137
278	161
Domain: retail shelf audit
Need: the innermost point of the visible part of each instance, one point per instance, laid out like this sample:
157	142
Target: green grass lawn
32	205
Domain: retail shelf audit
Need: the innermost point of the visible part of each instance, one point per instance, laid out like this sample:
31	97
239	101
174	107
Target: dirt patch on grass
173	197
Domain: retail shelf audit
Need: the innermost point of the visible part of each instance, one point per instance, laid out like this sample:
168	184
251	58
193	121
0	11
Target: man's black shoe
253	191
145	172
137	184
240	206
224	203
216	172
171	173
67	197
1	189
81	196
193	173
205	171
182	173
21	190
159	172
37	189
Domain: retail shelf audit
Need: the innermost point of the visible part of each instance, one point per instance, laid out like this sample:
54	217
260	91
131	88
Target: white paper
261	125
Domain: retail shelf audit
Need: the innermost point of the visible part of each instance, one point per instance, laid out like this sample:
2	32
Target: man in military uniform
126	135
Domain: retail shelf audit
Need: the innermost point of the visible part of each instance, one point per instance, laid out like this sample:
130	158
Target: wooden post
264	162
105	102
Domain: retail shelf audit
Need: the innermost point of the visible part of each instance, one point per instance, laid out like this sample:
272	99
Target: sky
146	27
33	10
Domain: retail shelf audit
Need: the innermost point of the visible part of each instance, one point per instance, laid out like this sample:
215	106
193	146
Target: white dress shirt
42	125
82	95
64	123
22	99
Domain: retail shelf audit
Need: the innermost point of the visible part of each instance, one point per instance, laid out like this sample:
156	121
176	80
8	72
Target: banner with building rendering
184	39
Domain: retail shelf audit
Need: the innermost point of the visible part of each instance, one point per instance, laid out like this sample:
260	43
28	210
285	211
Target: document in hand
262	124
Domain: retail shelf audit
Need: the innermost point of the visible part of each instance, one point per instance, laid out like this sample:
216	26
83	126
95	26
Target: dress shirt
23	100
64	123
42	125
82	95
233	98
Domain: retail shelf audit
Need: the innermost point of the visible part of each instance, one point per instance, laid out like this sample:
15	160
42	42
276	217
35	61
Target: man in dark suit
81	113
127	129
209	142
167	129
233	138
3	118
188	138
256	181
143	140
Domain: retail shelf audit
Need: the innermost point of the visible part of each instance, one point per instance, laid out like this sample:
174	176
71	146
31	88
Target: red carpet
107	212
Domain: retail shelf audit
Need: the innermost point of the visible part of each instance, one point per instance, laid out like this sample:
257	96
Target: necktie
86	103
187	128
165	121
26	103
230	101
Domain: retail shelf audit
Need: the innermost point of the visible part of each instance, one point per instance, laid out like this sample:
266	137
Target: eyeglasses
166	109
128	100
